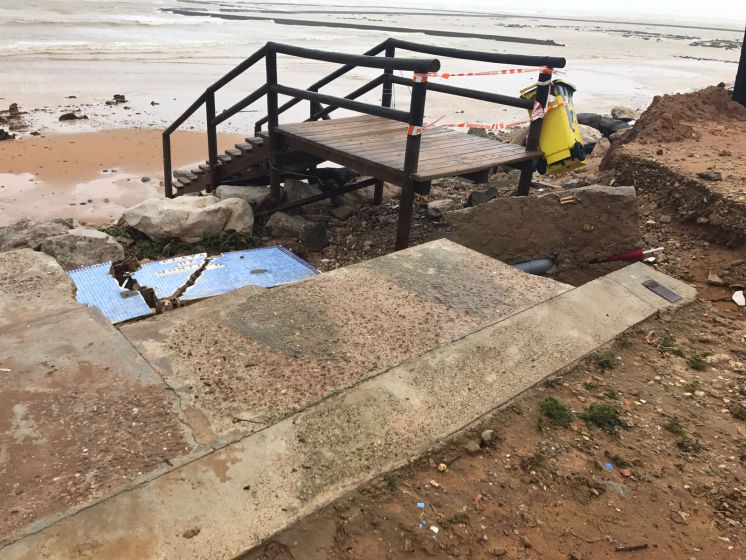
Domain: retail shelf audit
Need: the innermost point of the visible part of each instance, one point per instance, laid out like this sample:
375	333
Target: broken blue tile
95	286
266	267
166	277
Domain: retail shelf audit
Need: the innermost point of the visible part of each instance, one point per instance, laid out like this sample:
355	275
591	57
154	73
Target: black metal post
167	177
212	140
386	100
534	130
272	124
739	88
411	161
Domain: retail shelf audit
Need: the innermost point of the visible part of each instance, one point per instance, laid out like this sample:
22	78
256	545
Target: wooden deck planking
376	146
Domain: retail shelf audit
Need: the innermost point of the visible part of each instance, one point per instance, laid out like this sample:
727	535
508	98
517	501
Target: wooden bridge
384	144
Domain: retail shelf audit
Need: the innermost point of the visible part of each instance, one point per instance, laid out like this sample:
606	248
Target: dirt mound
671	118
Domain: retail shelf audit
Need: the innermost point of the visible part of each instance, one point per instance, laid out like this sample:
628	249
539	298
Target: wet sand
90	176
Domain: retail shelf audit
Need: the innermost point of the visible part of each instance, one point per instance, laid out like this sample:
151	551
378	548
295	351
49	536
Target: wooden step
205	167
186	174
256	141
225	158
233	153
244	148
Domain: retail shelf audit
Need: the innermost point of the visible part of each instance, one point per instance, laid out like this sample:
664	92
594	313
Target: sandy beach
162	54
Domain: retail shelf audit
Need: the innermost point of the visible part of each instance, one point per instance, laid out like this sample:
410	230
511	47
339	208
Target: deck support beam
275	177
387	98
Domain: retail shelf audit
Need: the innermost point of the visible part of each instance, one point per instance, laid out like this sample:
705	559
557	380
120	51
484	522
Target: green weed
604	416
696	362
606	361
555	413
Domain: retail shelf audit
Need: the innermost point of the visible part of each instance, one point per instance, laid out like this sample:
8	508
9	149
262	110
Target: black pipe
519	59
739	88
411	64
463	92
375	110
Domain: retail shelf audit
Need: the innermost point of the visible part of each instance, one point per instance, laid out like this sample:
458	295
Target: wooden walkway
374	146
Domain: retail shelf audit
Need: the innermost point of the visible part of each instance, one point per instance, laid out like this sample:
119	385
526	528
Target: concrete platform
468	354
241	367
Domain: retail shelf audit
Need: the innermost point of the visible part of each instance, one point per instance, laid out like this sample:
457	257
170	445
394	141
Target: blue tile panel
167	276
266	267
98	288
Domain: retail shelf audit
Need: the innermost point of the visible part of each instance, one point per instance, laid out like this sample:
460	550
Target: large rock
256	196
296	190
30	234
590	135
312	235
189	218
82	247
436	208
601	221
624	113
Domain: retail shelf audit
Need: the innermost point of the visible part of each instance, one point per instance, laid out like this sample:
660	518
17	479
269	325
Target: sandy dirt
90	176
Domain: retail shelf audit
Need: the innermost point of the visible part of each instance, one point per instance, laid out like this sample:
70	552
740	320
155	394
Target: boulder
437	208
298	190
79	247
5	135
189	218
28	233
624	113
601	147
312	235
481	196
72	117
598	221
590	135
256	196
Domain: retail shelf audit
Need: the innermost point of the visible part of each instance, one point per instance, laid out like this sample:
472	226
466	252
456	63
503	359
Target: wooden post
212	140
411	161
386	99
534	129
167	172
272	124
739	88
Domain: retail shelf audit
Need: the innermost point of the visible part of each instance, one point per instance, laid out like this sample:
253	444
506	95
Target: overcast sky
732	12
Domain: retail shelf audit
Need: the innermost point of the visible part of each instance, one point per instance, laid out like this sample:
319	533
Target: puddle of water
96	201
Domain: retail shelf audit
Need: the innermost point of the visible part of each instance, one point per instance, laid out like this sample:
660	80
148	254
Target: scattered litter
434	529
422	524
570	199
662	291
166	277
95	286
626	473
421	505
433	483
739	298
608	466
632	548
442	467
5	370
266	267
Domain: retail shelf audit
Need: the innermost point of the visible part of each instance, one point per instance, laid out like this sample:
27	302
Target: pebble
487	437
472	447
499	552
575	555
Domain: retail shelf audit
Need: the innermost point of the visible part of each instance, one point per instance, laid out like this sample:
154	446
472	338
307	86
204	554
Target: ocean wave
30	48
111	21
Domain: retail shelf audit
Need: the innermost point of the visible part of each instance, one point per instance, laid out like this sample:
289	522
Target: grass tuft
604	416
674	426
696	362
607	361
553	412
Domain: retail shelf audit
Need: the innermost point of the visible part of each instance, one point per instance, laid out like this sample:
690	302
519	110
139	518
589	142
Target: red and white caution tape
538	112
504	72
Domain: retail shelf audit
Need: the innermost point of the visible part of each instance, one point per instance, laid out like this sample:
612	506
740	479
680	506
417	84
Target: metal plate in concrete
82	416
244	366
166	277
98	288
301	463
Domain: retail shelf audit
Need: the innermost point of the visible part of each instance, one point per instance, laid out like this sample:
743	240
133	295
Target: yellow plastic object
560	139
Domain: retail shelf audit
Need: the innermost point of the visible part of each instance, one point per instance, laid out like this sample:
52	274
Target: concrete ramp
403	352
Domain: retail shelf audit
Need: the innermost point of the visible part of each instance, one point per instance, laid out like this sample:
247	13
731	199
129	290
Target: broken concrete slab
82	416
329	332
243	493
32	285
598	222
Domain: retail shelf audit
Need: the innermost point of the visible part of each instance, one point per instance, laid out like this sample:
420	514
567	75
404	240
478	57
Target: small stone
725	153
437	208
342	213
499	552
480	197
72	117
191	533
472	447
714	280
710	175
575	555
145	179
526	542
665	219
626	473
487	437
659	152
